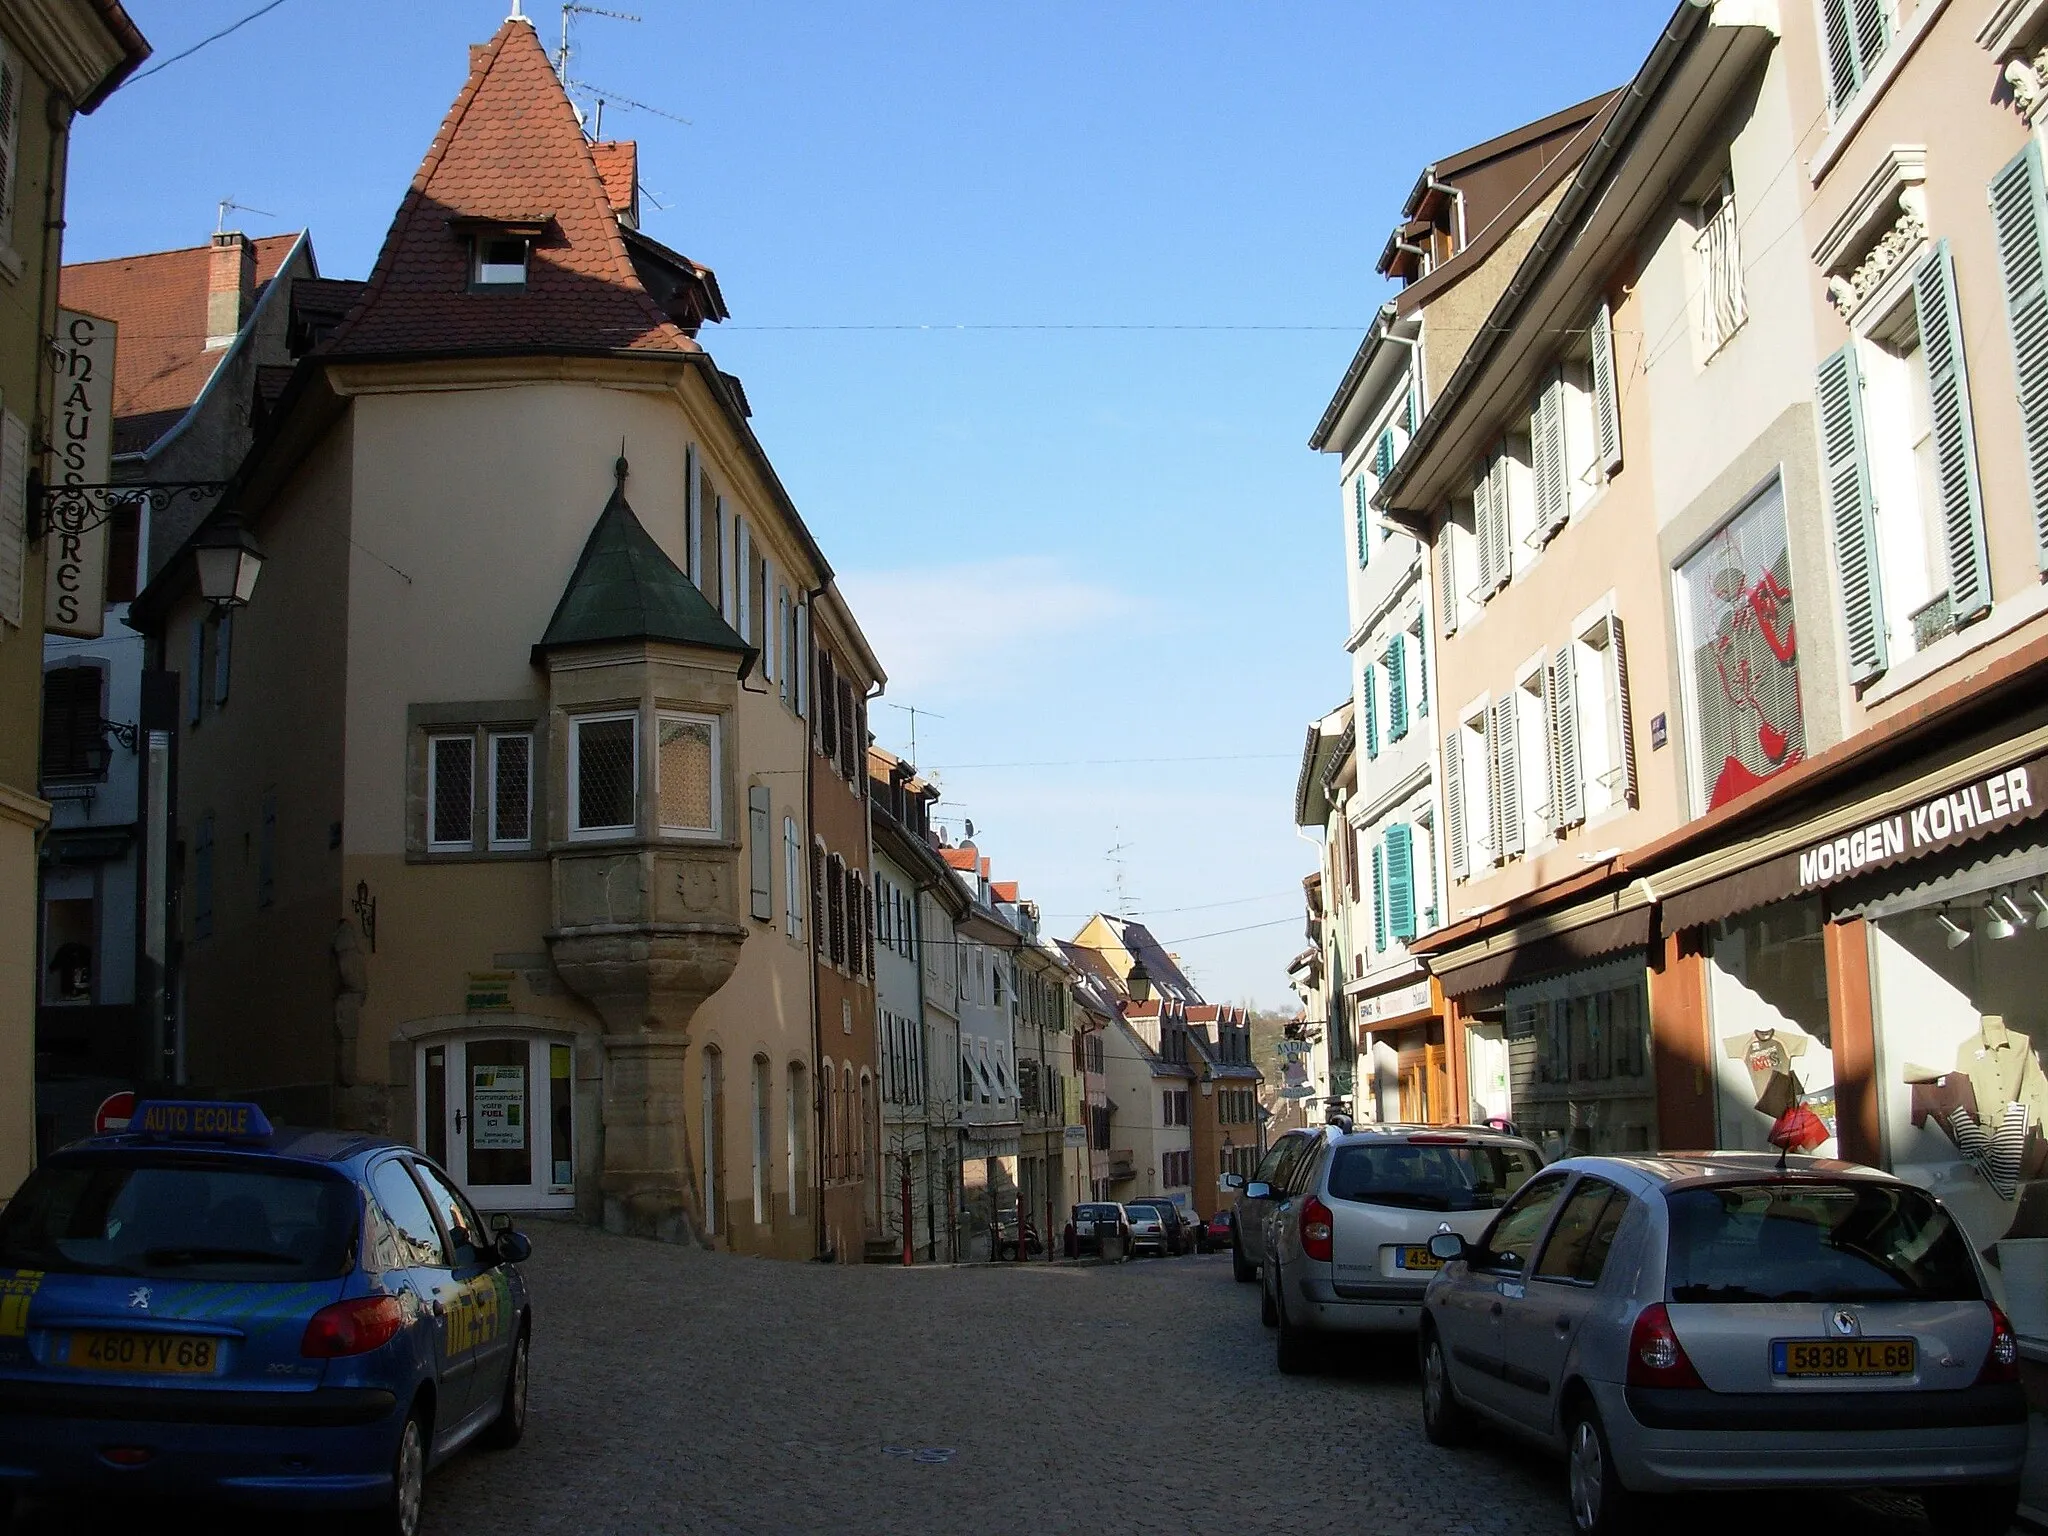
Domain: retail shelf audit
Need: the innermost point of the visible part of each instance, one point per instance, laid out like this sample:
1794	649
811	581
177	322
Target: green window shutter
1421	671
1383	455
1606	398
1379	898
1411	408
1955	436
1397	688
1362	517
1372	718
1400	881
1455	847
2019	213
1855	33
1845	475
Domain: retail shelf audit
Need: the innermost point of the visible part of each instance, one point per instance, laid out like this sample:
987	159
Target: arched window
868	1131
713	1074
798	1107
760	1139
828	1113
848	1109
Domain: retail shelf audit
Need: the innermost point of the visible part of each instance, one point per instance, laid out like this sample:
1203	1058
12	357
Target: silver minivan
1346	1243
1731	1320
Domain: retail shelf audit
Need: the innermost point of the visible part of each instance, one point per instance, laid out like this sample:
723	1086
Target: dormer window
500	261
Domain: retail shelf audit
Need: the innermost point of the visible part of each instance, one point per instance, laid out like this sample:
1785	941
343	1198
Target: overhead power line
261	10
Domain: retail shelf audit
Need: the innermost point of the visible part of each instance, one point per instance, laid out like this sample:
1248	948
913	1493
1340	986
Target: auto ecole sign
81	453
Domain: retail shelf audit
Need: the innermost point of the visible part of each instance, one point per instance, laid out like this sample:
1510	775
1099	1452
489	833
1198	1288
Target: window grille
605	762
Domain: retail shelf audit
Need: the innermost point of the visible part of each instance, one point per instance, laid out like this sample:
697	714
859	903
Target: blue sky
1073	548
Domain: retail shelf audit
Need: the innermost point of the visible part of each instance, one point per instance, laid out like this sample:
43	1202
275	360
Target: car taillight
2002	1360
1655	1357
352	1327
1315	1229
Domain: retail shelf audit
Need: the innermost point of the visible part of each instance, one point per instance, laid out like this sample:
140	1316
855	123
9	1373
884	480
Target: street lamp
1138	982
228	559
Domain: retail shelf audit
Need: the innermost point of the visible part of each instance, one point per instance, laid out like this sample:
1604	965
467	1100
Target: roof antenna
220	223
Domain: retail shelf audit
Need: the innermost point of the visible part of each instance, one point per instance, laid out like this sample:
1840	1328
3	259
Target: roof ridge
178	250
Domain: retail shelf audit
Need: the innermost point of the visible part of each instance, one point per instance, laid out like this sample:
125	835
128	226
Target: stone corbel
2027	80
1884	225
2016	34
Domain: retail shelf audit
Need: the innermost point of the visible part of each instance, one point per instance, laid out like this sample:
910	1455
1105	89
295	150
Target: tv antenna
220	223
570	10
913	711
1126	904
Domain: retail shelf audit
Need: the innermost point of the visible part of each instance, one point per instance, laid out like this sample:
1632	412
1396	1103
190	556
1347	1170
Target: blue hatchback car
203	1306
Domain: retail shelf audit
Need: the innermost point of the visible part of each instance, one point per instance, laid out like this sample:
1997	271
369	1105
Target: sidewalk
2034	1479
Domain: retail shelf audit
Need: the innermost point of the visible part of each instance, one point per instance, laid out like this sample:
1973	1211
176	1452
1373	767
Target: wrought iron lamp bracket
84	507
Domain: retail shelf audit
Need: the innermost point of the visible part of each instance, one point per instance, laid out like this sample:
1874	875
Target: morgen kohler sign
81	453
1989	804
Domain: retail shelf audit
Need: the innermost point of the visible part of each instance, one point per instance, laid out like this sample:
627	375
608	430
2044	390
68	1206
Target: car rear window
1849	1241
1430	1177
169	1217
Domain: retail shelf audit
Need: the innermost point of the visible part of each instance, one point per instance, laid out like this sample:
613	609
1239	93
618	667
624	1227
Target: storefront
1403	1064
497	1110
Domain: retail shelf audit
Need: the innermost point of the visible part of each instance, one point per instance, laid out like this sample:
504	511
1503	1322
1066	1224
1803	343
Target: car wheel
1242	1270
1444	1419
1979	1511
1600	1505
1268	1313
399	1514
510	1424
1290	1344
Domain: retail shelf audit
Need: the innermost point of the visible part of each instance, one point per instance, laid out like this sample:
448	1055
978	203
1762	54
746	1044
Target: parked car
1213	1235
1006	1238
1347	1244
1731	1320
1148	1228
1096	1221
1180	1232
1255	1199
202	1306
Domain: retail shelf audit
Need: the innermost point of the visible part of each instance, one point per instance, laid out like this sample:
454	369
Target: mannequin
1993	1103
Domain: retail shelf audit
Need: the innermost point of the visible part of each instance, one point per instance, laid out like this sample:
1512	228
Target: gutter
1556	234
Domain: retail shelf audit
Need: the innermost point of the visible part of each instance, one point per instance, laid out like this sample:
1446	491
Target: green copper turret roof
625	588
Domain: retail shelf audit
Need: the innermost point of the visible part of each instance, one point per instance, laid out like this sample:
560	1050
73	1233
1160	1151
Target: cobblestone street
678	1391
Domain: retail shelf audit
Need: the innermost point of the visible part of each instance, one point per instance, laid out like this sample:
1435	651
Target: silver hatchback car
1346	1240
1731	1320
1148	1229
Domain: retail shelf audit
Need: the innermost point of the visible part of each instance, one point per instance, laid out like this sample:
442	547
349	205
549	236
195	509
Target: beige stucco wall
484	498
1452	321
1949	97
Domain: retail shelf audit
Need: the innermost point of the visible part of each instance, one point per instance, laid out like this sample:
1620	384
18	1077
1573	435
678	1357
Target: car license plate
159	1354
1844	1357
1413	1257
1085	1228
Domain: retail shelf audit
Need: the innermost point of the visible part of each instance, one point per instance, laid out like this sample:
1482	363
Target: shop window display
1961	999
1767	988
1591	1088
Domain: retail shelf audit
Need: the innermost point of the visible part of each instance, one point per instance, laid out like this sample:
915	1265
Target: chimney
230	287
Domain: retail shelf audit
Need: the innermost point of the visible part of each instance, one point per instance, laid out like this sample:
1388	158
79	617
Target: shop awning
1553	942
1990	791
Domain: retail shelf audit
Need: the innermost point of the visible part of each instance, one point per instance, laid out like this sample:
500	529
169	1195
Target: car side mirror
1233	1181
1258	1189
513	1247
1447	1246
499	1221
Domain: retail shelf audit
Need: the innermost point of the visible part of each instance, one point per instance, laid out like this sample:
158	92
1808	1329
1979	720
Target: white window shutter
800	664
1503	552
728	561
1455	847
761	853
13	516
2019	214
1606	398
743	577
1511	836
1845	478
1553	498
1568	805
1447	576
1482	533
1624	714
693	519
1955	436
1490	842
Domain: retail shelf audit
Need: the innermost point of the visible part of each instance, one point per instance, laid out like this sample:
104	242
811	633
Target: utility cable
262	10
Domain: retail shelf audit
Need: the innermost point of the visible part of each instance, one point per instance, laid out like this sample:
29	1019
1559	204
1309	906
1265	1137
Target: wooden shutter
1509	832
1955	436
1845	474
13	516
1368	700
1624	713
1873	32
800	668
828	706
1397	688
1455	847
1400	881
761	853
1446	576
2019	213
1383	455
1606	398
835	905
10	138
1360	517
71	720
1379	898
1482	530
1568	789
1546	434
1421	671
1841	51
1503	524
1489	842
819	937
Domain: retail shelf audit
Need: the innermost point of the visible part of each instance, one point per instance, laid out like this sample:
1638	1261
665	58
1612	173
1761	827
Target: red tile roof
958	858
159	302
618	167
1005	890
510	150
